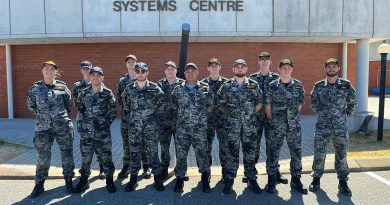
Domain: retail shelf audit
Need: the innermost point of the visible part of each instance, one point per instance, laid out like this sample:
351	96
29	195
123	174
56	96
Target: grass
361	145
9	151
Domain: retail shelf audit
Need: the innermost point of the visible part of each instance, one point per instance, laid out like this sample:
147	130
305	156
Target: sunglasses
140	71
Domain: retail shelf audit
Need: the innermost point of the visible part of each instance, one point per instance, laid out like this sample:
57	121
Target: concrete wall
96	18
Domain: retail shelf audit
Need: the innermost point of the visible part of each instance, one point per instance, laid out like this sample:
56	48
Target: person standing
263	77
192	102
124	81
96	104
215	120
141	101
240	99
85	67
283	102
167	117
334	99
50	102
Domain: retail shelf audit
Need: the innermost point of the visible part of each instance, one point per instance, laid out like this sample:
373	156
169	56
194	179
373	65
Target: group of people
237	110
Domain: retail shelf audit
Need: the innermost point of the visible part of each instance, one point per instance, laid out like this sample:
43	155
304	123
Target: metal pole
9	81
382	97
345	60
362	67
185	34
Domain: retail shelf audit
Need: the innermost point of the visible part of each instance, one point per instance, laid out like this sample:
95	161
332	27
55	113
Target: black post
185	34
382	97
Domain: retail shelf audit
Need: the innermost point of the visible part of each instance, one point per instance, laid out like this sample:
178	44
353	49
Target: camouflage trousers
293	136
143	142
166	130
43	141
126	149
340	140
186	136
79	127
245	134
212	129
100	143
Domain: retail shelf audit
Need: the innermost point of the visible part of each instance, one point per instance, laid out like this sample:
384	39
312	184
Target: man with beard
124	81
333	99
263	78
141	101
284	100
240	99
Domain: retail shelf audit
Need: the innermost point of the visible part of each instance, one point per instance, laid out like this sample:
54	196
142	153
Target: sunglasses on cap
138	71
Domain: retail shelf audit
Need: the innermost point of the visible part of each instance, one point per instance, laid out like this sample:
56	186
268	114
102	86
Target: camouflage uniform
140	108
285	123
51	104
123	82
192	107
166	121
215	122
98	113
263	82
239	107
333	103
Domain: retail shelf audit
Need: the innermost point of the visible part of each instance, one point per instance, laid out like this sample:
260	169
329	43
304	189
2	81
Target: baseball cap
96	69
86	64
214	60
170	63
142	66
49	63
285	61
239	61
191	65
130	56
332	61
264	56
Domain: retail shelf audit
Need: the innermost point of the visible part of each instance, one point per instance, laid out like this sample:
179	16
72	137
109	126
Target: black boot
82	185
158	183
280	178
110	186
252	184
69	185
297	185
38	189
101	172
271	186
206	182
244	180
133	183
315	185
147	172
227	189
186	177
344	189
179	185
164	174
223	175
124	173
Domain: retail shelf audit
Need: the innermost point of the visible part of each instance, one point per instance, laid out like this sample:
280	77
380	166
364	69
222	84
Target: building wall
308	61
375	75
3	84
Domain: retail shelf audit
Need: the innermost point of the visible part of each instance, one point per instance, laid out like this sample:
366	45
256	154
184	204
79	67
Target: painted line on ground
379	178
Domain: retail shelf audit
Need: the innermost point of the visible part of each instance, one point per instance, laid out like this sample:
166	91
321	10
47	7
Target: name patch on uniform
297	87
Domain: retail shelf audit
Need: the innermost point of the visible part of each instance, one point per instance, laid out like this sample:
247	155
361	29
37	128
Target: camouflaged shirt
49	102
333	101
123	82
142	104
167	88
239	101
192	105
264	81
97	109
285	101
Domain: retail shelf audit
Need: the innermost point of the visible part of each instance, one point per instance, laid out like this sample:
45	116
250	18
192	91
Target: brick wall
374	80
3	84
308	61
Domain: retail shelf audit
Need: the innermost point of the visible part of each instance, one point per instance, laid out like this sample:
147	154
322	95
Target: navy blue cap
96	69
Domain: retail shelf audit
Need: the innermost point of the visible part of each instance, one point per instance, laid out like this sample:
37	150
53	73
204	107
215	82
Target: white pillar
9	81
345	60
362	69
